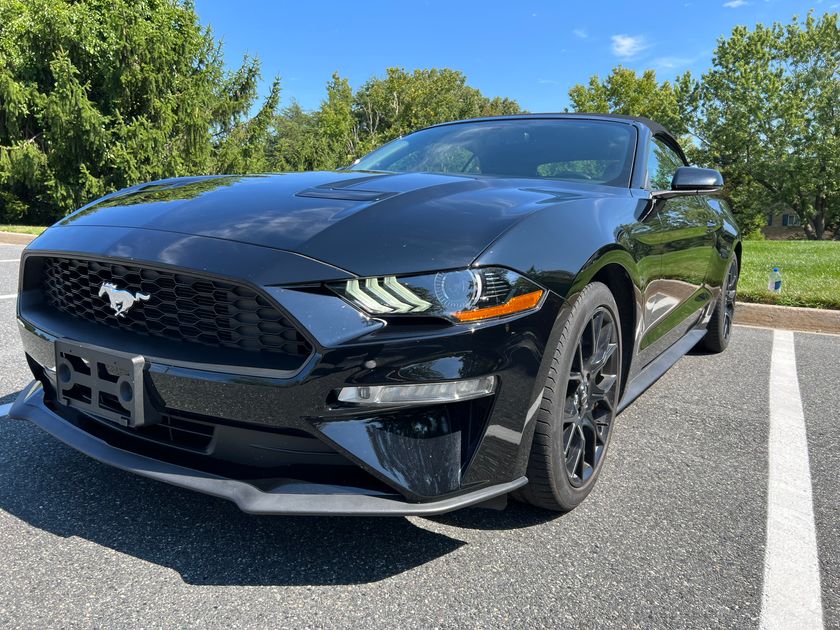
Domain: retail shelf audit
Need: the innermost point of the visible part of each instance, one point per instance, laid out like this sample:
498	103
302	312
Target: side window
663	162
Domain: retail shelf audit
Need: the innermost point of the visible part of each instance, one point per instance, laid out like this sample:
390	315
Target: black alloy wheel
719	329
573	423
591	397
730	293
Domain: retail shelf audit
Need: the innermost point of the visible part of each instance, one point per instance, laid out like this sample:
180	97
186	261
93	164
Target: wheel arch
616	268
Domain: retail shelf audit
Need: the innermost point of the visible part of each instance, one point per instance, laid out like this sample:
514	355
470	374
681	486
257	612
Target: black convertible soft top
655	127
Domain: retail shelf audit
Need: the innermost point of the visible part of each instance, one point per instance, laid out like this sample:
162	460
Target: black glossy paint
286	235
413	222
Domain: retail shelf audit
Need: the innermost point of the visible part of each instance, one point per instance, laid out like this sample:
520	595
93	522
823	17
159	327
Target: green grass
810	273
22	229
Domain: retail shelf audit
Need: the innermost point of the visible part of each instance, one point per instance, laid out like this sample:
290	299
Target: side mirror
691	180
694	178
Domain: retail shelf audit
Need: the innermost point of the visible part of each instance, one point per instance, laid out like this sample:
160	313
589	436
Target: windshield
600	152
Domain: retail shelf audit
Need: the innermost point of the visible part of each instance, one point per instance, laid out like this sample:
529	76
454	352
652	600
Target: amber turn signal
515	305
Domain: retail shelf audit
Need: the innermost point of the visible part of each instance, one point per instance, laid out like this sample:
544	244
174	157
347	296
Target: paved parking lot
674	535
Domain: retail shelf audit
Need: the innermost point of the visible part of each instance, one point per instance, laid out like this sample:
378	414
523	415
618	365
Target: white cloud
734	4
627	46
674	62
669	63
580	32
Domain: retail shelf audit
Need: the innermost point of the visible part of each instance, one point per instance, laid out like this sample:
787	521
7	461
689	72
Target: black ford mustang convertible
458	316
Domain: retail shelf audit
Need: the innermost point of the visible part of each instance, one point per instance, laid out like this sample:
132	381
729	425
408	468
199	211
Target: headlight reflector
465	295
458	290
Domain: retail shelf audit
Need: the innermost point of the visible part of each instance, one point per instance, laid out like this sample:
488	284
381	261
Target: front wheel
579	403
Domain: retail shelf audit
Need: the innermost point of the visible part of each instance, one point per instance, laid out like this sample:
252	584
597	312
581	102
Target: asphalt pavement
673	535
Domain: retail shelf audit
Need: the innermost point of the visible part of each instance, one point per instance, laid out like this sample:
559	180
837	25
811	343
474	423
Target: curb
15	238
788	317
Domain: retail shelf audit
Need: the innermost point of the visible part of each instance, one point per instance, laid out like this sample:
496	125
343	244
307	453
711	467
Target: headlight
461	296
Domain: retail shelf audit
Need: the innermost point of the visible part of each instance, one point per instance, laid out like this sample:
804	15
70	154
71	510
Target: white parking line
8	297
4	410
792	595
10	260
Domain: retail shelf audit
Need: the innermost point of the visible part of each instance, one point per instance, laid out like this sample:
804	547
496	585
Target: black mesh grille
179	306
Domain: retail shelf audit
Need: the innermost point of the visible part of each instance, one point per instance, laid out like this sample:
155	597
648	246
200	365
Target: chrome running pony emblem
121	300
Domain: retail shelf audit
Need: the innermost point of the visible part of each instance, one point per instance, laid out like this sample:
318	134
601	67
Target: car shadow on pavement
208	541
515	516
9	398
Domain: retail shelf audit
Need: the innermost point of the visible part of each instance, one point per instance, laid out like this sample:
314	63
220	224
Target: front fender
563	246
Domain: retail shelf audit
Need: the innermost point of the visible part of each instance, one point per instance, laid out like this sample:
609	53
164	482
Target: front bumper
277	441
285	499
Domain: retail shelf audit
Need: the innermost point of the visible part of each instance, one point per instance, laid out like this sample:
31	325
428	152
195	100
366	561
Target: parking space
818	358
673	535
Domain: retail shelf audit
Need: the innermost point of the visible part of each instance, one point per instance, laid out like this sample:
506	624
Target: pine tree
102	94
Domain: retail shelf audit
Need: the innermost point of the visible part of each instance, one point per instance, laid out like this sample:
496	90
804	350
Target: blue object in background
775	282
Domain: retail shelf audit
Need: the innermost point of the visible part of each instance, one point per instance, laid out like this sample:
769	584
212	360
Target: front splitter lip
30	406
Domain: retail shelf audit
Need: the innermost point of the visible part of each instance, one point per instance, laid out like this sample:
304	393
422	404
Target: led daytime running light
396	299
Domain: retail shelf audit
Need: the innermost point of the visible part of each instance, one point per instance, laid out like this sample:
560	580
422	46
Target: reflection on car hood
366	223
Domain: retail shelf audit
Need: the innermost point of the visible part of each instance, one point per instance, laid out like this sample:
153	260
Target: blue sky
531	51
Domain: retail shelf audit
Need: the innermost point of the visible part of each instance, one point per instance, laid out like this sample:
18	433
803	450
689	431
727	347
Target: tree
101	94
242	148
768	111
670	104
348	124
337	124
403	102
625	92
295	143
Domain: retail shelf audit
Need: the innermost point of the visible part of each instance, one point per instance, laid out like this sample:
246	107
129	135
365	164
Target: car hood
364	223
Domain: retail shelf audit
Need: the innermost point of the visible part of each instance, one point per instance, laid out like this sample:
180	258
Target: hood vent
345	194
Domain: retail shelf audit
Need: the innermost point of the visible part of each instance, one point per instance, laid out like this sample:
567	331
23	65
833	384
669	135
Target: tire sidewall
725	288
722	340
594	296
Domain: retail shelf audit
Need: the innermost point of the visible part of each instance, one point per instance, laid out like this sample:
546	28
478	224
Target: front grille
180	306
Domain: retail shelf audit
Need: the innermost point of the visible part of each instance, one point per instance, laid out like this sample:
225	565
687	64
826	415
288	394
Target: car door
684	236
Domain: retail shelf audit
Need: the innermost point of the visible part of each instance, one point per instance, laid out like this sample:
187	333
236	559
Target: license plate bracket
105	383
